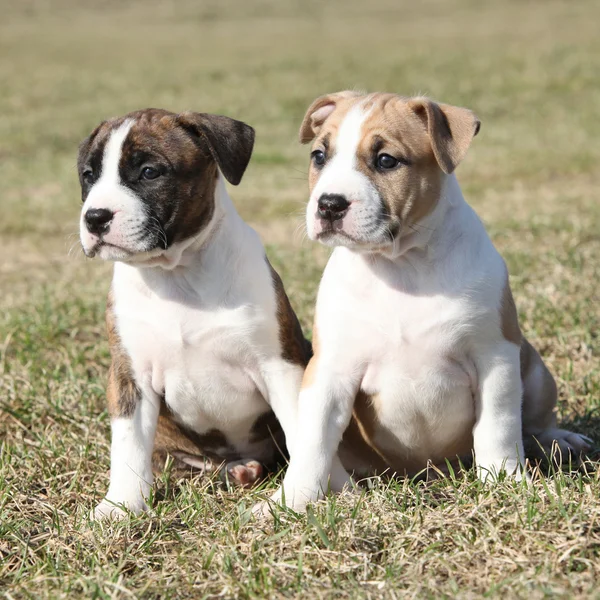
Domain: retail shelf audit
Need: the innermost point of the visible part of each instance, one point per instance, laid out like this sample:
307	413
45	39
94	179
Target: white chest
203	360
420	350
411	346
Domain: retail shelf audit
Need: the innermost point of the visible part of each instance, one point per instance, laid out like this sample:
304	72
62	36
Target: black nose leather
332	206
97	220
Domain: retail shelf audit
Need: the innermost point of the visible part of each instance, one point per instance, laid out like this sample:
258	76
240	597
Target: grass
529	70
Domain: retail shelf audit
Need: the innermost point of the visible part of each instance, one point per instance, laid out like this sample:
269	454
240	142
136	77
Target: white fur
130	461
416	324
201	329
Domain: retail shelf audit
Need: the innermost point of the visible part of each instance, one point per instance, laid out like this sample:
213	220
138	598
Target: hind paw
243	473
562	443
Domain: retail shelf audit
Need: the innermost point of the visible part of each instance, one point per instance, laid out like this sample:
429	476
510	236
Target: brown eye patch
396	156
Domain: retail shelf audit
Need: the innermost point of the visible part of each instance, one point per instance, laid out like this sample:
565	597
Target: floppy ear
230	142
318	112
451	130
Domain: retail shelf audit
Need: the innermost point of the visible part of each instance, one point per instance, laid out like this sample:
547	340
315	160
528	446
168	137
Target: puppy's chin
114	253
111	252
335	238
380	241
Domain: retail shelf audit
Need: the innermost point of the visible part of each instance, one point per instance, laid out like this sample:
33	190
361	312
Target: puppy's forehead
150	130
333	123
387	116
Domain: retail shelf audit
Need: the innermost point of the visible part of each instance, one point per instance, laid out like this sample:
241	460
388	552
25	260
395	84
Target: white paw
115	511
263	510
297	502
491	471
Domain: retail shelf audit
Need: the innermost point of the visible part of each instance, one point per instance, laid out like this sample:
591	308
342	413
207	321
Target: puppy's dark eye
386	162
88	176
150	173
318	157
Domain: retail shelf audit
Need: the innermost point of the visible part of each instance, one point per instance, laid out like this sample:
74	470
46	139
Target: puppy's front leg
324	412
497	436
133	425
283	380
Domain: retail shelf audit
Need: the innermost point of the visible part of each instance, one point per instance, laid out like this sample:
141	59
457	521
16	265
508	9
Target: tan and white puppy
207	353
418	352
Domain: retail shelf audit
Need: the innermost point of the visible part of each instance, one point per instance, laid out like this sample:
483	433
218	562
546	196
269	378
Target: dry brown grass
530	71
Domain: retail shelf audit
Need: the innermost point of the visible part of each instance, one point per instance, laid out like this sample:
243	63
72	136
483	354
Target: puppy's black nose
332	206
97	220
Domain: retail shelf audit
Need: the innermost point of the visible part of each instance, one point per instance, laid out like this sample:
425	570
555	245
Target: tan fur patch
309	372
509	321
358	451
539	388
450	128
175	439
211	448
539	393
410	192
122	392
295	347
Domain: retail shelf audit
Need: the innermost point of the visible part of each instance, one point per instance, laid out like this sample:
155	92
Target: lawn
529	69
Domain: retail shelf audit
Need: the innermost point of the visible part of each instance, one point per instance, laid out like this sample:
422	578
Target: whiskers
387	226
154	227
74	249
299	171
300	232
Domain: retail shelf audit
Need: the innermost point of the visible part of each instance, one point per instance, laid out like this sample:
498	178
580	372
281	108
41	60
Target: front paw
296	499
115	511
493	471
264	510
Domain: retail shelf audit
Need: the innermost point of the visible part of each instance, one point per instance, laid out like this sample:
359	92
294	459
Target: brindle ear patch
230	142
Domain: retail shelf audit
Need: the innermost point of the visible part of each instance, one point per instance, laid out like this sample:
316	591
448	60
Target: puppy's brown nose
97	220
332	206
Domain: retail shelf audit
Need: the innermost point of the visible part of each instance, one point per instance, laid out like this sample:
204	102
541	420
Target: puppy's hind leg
542	436
190	460
238	473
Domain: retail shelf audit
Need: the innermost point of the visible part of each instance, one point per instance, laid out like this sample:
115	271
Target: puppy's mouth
133	247
329	234
104	247
380	235
111	252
